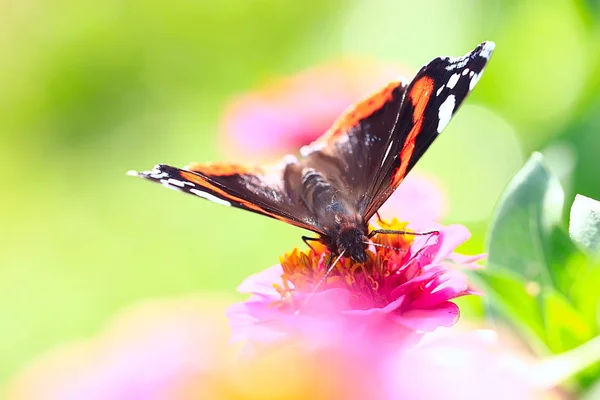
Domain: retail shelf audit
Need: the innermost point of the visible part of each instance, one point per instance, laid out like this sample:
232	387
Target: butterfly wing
280	191
349	154
431	99
262	190
364	155
374	144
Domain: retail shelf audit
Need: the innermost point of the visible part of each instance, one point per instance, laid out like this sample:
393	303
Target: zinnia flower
403	290
177	349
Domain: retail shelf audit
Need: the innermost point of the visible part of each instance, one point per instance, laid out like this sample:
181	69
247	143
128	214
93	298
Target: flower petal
427	320
262	282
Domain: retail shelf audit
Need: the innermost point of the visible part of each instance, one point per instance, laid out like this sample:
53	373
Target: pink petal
449	239
427	320
262	282
390	307
467	261
451	285
457	366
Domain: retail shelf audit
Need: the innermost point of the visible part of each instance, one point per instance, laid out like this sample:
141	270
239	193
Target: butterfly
341	179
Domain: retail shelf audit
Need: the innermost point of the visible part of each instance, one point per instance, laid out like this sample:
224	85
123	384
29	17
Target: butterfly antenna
386	247
421	249
400	232
319	284
397	249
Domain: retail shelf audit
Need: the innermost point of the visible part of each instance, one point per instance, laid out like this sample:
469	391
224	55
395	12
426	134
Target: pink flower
177	349
392	299
288	113
456	364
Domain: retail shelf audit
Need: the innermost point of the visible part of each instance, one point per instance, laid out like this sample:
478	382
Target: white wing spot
465	71
488	47
210	197
176	182
471	74
456	62
445	112
166	184
440	90
452	81
474	81
156	173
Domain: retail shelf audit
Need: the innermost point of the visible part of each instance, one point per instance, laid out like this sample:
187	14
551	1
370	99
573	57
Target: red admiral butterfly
344	176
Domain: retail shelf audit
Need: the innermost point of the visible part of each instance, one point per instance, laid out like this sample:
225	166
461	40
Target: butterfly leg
328	262
307	239
396	232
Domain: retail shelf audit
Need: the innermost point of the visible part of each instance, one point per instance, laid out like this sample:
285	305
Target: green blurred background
90	90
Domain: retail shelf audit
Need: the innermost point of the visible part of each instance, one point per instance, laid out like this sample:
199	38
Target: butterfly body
351	238
324	192
340	181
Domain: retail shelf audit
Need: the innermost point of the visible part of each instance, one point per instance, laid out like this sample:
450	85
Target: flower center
389	264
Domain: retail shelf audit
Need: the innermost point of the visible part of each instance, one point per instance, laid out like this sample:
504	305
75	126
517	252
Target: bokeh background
90	90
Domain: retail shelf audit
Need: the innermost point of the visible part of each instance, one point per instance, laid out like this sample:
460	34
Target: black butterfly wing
347	156
262	190
370	149
364	156
431	99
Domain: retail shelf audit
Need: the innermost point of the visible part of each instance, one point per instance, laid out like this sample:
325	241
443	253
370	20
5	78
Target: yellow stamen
302	270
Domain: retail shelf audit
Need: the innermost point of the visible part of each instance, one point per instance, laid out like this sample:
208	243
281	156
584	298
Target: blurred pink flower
148	352
177	350
392	299
456	364
288	113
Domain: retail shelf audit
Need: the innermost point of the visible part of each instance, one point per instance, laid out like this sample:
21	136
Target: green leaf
584	291
507	293
566	327
527	218
593	393
584	224
565	261
534	267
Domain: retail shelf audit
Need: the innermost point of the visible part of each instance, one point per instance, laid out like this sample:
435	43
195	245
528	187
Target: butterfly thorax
345	227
